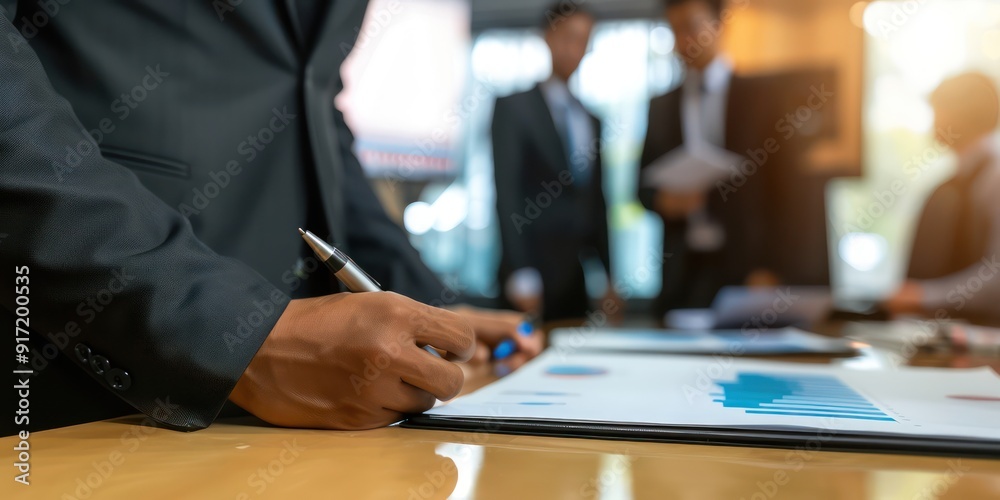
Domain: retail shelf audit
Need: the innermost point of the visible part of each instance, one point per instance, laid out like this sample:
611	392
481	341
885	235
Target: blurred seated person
954	260
758	229
550	200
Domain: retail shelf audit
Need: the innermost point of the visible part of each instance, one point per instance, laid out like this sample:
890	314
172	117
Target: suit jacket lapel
298	31
334	41
337	37
549	139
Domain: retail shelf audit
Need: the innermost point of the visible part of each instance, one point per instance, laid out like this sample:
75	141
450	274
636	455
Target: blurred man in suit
954	261
547	164
734	233
155	161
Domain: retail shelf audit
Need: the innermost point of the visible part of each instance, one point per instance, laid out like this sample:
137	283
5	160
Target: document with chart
733	342
738	402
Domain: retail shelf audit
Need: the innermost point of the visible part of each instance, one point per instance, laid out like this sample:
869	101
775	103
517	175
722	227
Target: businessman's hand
762	278
613	305
494	327
674	206
354	361
907	300
527	304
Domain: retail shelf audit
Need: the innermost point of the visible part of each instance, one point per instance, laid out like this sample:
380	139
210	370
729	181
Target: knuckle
467	338
452	384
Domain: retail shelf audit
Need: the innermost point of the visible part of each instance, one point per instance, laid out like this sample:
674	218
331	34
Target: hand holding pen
509	336
351	360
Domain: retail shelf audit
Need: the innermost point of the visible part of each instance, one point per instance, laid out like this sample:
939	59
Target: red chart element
994	399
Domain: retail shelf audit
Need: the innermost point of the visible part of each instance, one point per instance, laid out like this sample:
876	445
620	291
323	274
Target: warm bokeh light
857	14
991	44
910	47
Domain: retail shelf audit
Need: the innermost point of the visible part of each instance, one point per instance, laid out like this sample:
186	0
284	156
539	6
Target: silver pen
350	274
344	269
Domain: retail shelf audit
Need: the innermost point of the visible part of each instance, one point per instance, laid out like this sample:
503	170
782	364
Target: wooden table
245	459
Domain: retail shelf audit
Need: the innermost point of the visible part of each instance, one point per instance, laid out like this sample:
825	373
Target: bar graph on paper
796	395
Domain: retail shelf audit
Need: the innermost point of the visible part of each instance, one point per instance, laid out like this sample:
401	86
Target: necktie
578	156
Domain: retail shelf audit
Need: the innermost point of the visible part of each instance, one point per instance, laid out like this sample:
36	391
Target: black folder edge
808	439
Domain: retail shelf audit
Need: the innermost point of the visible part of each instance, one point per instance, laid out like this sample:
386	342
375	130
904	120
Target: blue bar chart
796	395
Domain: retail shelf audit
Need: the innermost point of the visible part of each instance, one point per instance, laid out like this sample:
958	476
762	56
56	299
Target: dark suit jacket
956	240
953	233
531	163
772	220
160	261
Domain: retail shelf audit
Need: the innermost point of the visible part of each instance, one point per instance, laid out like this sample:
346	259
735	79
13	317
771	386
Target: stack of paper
685	170
723	400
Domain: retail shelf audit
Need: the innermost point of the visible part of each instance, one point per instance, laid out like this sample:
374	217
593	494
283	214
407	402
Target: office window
910	48
454	224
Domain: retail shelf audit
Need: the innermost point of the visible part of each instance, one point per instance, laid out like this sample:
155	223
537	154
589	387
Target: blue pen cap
504	350
525	328
507	347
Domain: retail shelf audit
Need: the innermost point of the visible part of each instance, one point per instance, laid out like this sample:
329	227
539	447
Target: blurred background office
422	82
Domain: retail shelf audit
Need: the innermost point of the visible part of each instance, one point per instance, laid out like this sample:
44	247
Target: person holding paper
954	261
549	181
720	165
713	240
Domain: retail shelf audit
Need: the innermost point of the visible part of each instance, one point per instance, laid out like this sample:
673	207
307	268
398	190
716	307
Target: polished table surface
246	459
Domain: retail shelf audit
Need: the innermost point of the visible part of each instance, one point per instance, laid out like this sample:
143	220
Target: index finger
445	330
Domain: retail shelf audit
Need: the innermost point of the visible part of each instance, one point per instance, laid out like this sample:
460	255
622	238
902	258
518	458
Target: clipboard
926	411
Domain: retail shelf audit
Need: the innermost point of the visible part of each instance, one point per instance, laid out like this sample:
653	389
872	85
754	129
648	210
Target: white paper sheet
685	170
737	393
736	342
